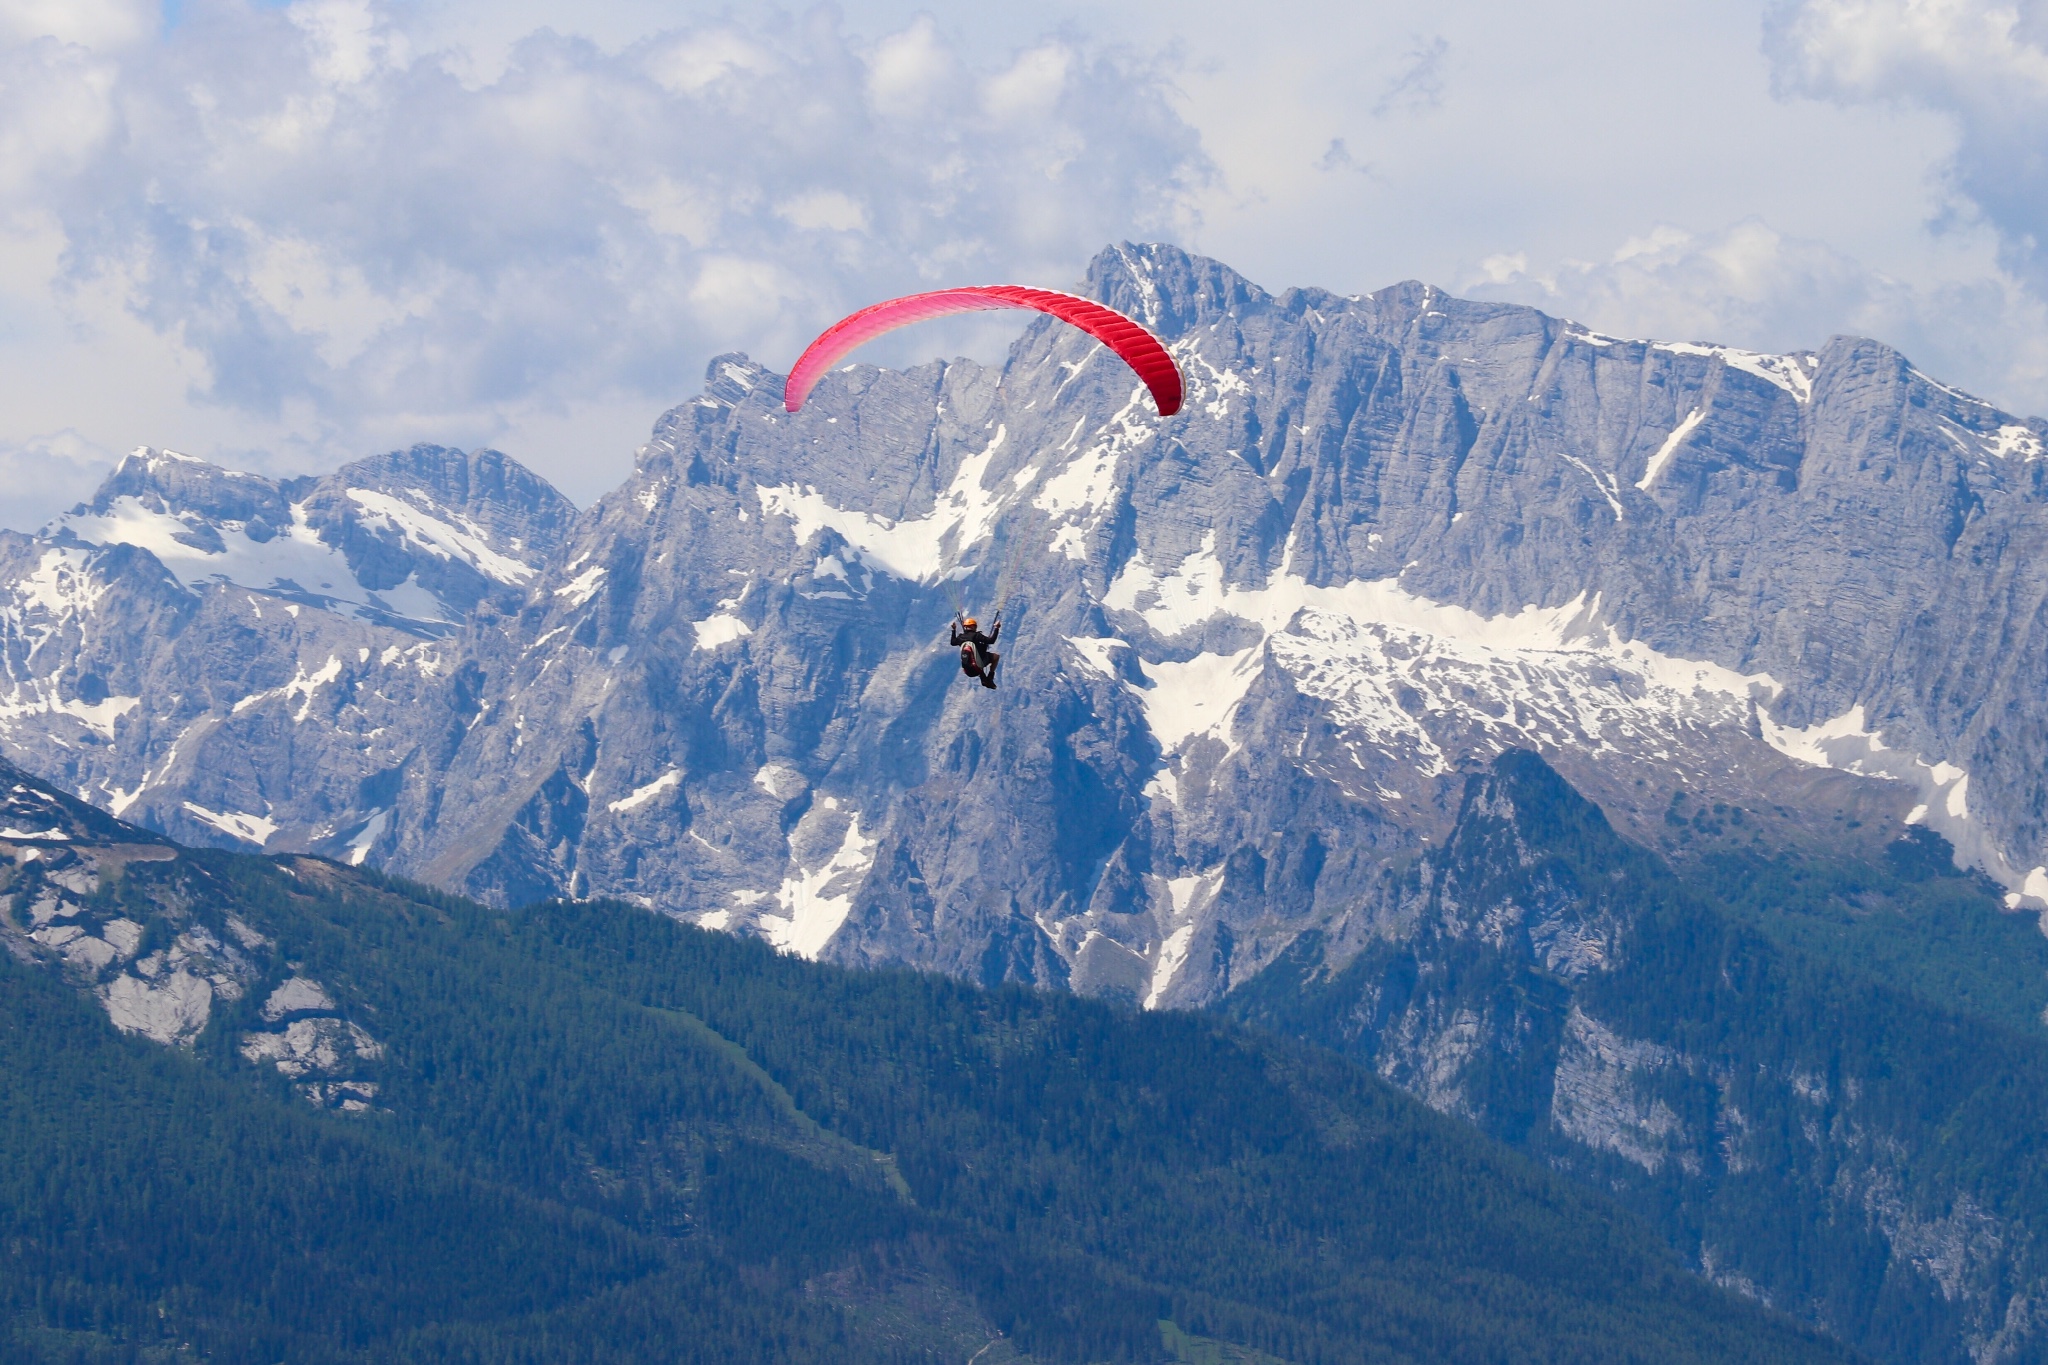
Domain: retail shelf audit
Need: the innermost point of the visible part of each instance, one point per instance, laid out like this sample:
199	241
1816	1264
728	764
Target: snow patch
1094	652
2012	441
581	588
1173	955
1211	392
642	795
39	698
1185	700
366	838
1953	393
779	780
1792	373
1848	744
1396	668
252	829
468	542
917	549
294	562
817	902
722	628
304	684
1609	486
1085	489
1669	448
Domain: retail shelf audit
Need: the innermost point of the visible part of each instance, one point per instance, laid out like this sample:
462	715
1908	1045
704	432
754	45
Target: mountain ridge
1778	618
587	1130
1310	512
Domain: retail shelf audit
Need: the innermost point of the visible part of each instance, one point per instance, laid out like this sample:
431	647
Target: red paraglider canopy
1137	347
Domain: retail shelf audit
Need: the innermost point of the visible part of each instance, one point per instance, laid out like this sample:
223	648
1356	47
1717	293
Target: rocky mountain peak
1168	289
735	377
1401	532
202	495
414	539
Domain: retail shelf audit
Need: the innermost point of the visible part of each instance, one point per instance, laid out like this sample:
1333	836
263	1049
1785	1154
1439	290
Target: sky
284	236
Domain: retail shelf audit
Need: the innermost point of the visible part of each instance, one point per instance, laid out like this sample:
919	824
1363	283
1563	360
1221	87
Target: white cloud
342	235
1981	63
1032	86
88	23
48	471
1747	285
292	235
824	210
909	72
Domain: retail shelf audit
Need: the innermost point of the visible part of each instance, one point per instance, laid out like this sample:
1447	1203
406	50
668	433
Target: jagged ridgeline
349	1119
1777	616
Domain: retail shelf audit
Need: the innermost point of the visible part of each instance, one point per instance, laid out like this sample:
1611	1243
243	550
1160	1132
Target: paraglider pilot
977	660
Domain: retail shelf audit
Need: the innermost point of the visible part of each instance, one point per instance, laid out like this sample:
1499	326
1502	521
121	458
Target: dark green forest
1844	1048
603	1136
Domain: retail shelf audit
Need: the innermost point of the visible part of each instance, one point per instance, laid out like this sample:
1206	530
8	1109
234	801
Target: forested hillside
1819	1075
582	1132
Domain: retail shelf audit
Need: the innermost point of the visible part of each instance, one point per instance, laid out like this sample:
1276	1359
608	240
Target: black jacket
975	637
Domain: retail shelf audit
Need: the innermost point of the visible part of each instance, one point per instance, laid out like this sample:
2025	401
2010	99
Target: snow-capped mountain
1252	648
1255	654
413	539
234	660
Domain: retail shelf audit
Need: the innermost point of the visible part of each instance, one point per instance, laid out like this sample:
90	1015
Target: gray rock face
415	539
1560	988
1250	650
1253	647
159	954
242	663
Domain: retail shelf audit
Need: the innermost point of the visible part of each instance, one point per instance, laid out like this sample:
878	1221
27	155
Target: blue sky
286	235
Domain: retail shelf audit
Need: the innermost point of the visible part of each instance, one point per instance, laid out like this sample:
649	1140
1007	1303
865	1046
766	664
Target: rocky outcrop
1848	1153
129	919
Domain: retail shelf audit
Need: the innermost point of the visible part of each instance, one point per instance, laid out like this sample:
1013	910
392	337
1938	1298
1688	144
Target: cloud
1983	64
90	23
1747	285
45	473
355	240
290	234
1419	84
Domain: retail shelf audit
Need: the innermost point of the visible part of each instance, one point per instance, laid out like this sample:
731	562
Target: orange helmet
969	623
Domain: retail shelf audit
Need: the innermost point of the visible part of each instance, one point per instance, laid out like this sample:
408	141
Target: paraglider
977	659
1132	343
1135	346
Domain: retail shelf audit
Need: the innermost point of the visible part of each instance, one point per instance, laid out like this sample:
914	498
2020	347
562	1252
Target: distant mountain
161	640
414	539
586	1132
1256	656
